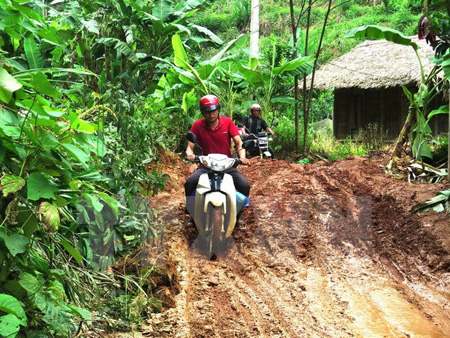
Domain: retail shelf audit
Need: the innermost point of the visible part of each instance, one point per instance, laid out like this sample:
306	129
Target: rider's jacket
254	124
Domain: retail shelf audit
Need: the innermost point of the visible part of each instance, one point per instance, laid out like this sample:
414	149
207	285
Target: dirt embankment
330	250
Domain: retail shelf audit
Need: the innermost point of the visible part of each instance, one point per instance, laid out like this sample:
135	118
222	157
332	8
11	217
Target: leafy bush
284	140
62	217
219	17
322	106
327	146
439	149
415	6
404	21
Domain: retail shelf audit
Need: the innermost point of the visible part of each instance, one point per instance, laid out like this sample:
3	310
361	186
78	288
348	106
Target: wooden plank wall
354	108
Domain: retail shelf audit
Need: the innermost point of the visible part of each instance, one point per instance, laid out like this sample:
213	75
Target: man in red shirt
214	134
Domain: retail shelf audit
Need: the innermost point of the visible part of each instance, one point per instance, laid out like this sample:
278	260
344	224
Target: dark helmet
209	103
255	106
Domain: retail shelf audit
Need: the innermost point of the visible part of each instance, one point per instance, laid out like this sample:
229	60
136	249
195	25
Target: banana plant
203	77
263	80
211	74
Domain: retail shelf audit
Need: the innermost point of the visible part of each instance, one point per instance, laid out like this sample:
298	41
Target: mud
329	250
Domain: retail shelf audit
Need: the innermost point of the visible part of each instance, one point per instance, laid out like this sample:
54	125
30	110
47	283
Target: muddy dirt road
329	251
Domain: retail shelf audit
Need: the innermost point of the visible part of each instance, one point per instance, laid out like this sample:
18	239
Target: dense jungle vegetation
91	93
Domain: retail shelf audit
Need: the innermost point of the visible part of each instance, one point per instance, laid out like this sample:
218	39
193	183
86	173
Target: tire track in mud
310	264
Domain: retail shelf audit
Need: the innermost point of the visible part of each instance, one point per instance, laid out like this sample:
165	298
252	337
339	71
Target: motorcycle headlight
217	163
204	160
222	165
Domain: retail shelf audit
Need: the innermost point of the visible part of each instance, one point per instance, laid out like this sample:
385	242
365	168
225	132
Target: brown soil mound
330	250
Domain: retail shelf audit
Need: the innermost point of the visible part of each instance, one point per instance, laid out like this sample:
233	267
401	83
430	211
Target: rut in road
329	251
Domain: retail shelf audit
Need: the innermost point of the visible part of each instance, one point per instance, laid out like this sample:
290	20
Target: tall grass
327	146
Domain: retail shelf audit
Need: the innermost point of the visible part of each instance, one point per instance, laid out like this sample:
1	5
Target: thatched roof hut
368	82
375	64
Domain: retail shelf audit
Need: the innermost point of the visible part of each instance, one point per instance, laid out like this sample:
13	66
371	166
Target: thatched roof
375	64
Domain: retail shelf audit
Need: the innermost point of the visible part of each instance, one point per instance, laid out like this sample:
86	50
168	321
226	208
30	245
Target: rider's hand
245	161
190	157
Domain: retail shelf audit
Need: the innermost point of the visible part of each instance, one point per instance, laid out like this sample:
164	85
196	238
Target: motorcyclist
214	134
254	123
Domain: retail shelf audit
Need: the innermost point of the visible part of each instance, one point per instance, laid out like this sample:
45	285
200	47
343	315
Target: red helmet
209	103
255	106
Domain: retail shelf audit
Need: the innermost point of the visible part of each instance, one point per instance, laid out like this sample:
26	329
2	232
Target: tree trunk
402	137
108	63
254	30
448	157
305	85
307	108
294	39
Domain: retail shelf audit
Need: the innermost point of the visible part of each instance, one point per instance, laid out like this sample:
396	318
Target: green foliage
70	178
275	20
439	203
322	106
11	184
130	311
304	160
220	17
14	318
130	147
439	149
380	32
284	141
328	147
402	20
372	136
263	81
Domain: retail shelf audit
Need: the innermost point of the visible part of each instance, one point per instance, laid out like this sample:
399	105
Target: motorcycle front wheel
217	231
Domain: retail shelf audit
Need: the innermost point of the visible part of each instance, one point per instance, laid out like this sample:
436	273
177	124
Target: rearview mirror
191	137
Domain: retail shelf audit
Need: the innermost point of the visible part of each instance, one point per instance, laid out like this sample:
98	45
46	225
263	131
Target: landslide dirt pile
330	250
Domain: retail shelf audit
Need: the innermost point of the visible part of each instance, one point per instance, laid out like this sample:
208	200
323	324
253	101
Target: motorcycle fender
203	188
217	199
204	196
227	187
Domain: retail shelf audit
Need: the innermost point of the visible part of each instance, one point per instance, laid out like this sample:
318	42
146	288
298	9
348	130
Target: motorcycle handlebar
195	160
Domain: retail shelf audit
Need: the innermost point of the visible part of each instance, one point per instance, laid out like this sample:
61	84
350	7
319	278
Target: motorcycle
260	145
216	202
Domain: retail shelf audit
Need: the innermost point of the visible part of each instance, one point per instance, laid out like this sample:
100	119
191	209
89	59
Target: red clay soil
330	250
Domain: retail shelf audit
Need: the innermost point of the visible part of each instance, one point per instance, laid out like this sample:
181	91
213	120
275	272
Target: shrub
327	146
404	21
284	141
439	149
372	137
322	106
